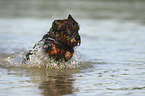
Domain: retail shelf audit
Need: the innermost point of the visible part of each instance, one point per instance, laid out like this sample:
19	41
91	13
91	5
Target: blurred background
81	9
112	50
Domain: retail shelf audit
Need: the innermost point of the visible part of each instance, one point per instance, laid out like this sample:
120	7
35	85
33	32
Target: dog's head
66	31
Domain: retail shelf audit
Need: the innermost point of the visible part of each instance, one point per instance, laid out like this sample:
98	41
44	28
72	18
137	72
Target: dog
60	41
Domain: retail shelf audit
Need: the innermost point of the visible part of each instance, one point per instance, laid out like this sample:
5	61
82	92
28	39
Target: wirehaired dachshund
60	41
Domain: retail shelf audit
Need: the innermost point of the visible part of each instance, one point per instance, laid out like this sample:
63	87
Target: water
110	60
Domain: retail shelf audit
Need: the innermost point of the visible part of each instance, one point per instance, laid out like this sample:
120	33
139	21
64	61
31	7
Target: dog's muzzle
78	39
79	43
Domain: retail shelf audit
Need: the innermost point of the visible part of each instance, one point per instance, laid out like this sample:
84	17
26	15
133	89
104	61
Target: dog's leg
33	51
68	55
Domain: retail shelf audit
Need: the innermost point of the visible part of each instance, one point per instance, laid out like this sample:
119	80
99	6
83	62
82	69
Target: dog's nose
77	38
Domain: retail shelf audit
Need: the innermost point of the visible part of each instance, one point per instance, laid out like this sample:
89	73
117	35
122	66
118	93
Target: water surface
110	60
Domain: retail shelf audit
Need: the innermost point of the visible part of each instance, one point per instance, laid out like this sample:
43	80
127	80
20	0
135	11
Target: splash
42	60
69	11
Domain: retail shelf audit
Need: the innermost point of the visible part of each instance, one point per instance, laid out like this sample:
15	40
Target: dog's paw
68	55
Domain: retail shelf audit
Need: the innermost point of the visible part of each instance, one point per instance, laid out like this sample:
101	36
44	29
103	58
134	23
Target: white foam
42	60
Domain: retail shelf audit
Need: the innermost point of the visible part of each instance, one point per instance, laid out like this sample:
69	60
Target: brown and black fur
60	41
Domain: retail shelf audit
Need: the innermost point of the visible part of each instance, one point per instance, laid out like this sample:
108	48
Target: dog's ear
56	25
70	17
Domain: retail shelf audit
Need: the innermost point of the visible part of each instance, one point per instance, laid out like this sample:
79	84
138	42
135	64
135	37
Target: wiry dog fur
60	41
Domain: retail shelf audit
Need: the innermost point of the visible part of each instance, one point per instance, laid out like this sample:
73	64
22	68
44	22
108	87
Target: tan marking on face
73	42
57	24
64	38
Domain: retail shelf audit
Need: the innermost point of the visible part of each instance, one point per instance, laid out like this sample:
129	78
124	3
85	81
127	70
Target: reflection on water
112	48
49	83
56	82
57	85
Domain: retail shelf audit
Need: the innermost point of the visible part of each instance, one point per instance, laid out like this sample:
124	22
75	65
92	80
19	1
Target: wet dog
60	41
